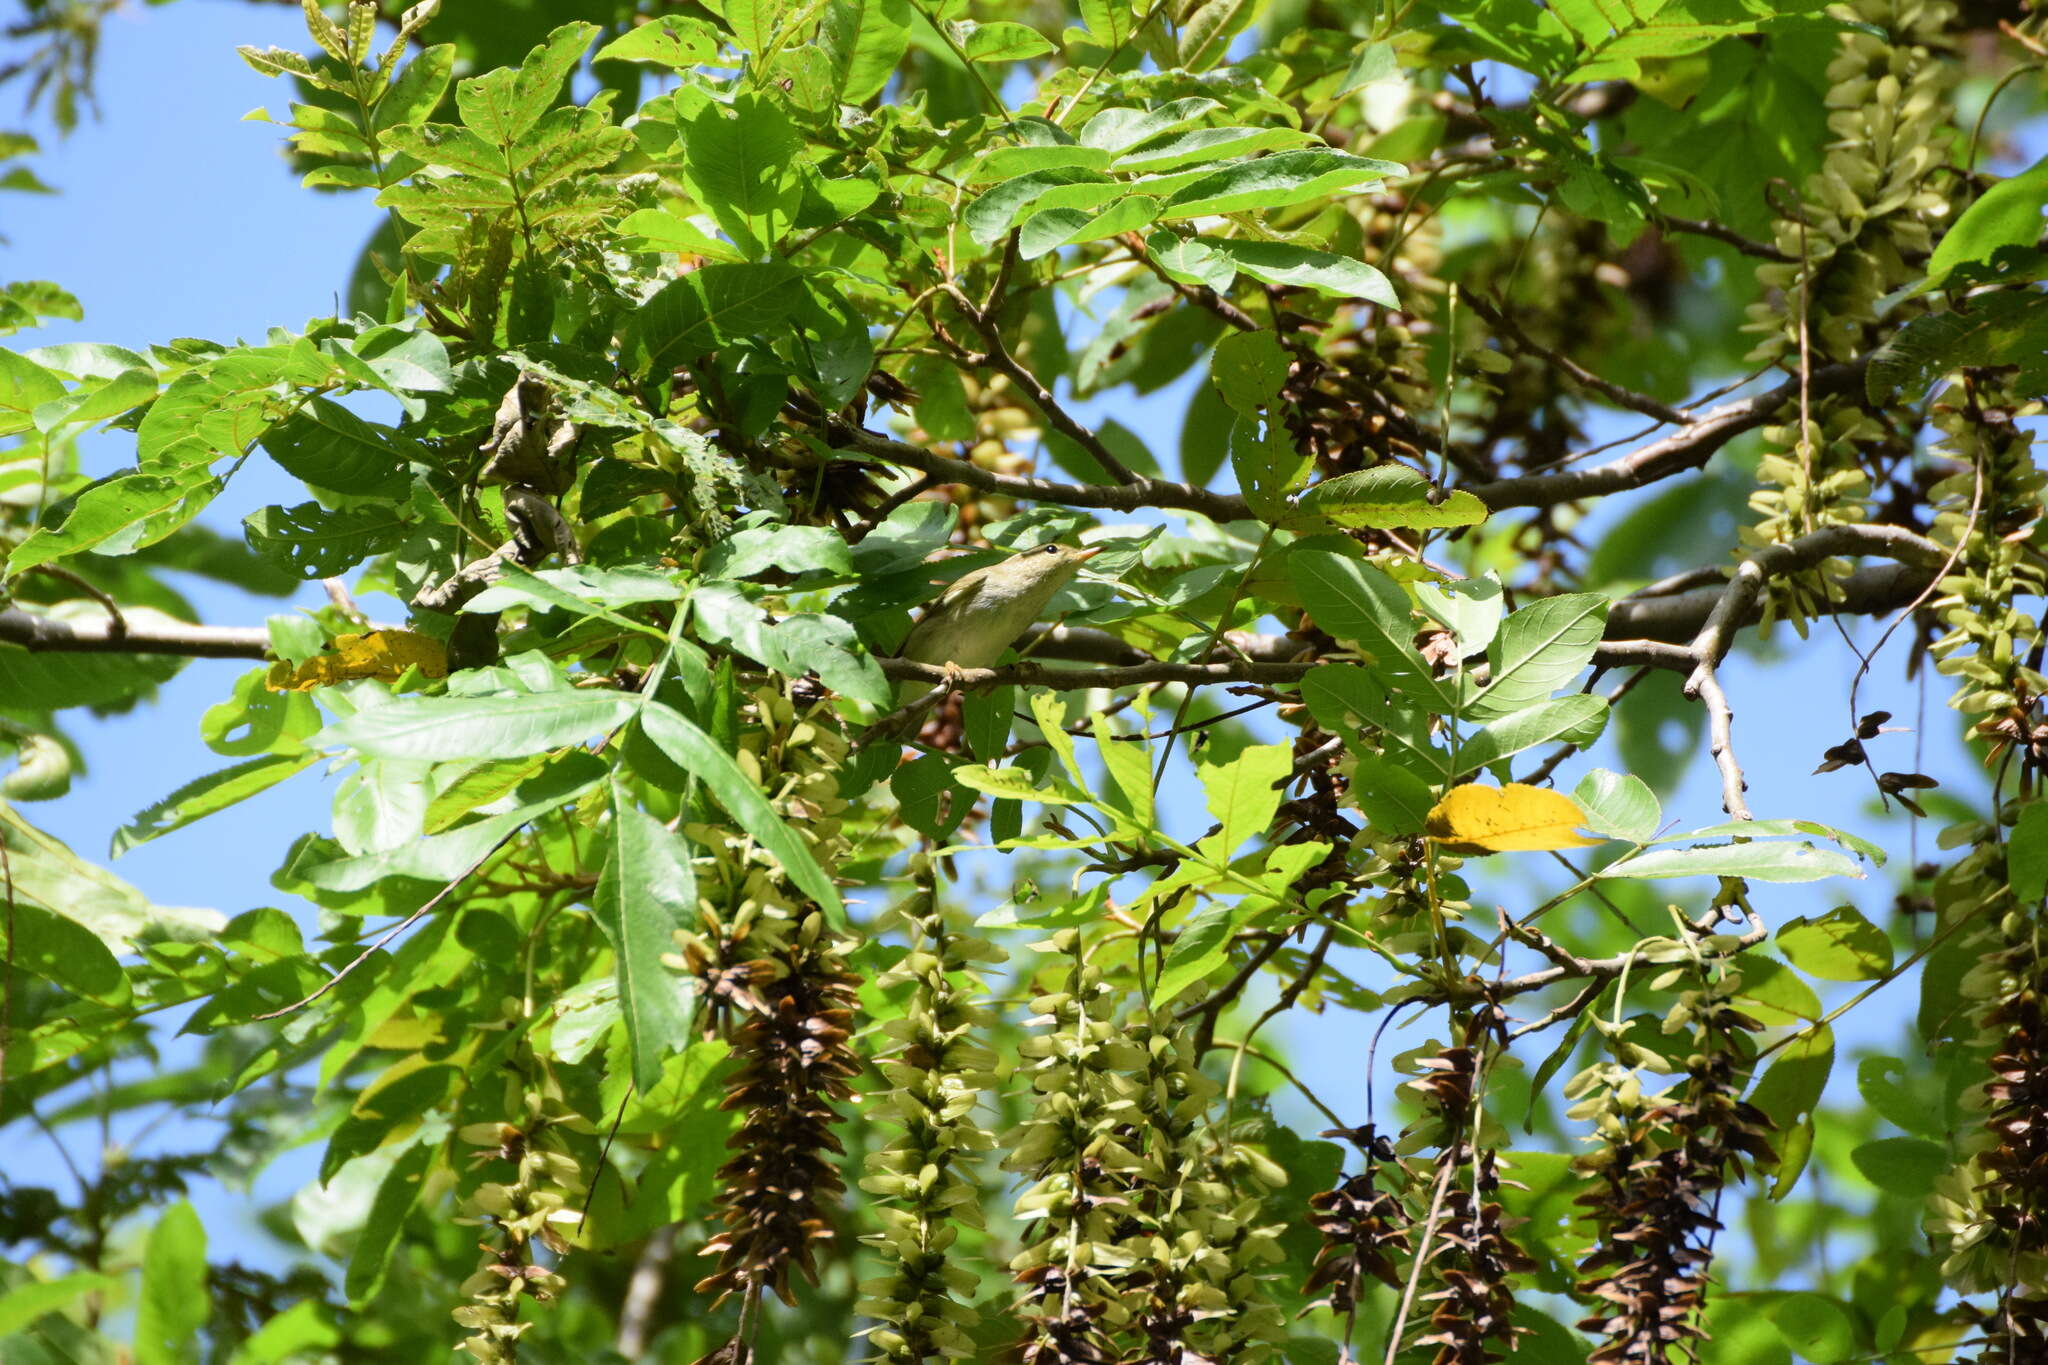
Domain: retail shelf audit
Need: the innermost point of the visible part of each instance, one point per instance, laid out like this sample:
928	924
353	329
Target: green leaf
1560	718
2009	214
326	445
24	387
1197	145
1764	862
1791	1089
1540	649
928	797
588	587
1906	1166
741	163
1248	369
1000	41
64	953
1201	946
658	230
781	549
415	92
864	40
175	1302
1120	129
1300	267
1385	497
1277	181
1817	1328
504	105
1396	801
1243	793
1052	229
1775	993
31	1299
1917	1108
1470	607
668	40
1014	783
1268	465
1988	329
1206	28
990	216
396	1194
1008	163
479	727
2026	853
647	891
1354	601
122	515
1839	946
43	872
383	1111
1128	763
1619	804
1760	829
443	857
312	541
696	752
96	402
706	309
206	795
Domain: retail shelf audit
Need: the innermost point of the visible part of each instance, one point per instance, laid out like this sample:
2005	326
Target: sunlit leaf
1515	818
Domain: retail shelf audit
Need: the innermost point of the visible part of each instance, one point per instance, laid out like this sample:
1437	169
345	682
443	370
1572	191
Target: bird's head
1039	571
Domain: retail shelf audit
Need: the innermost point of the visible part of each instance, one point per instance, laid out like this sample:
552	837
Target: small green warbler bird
976	619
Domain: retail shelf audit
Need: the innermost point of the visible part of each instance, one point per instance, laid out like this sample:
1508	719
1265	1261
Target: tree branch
1579	374
44	633
1687	448
999	359
1123	497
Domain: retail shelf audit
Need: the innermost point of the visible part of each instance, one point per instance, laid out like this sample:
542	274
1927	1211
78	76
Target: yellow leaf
1516	818
381	654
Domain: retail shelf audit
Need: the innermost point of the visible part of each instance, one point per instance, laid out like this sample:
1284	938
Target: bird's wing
956	598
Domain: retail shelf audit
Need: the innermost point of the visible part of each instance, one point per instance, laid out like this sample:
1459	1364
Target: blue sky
176	219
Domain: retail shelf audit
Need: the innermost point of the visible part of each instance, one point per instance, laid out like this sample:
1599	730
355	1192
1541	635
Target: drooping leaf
1354	601
175	1302
1243	793
204	796
647	892
124	514
697	753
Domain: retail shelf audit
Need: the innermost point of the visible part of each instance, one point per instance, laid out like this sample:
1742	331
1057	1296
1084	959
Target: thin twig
392	933
998	358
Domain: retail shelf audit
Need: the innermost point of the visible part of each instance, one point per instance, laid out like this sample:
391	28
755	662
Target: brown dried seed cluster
1661	1173
778	1189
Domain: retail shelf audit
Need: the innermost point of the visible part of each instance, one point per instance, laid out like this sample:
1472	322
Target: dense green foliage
651	995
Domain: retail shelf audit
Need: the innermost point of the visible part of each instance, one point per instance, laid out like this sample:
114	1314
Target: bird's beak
1080	555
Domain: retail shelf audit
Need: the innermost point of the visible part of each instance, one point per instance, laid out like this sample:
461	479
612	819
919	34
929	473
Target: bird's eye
1052	549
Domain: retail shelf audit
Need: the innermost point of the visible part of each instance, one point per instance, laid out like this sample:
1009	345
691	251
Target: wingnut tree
1448	395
